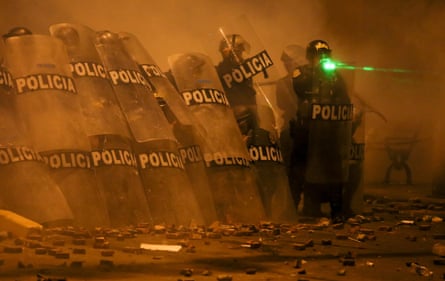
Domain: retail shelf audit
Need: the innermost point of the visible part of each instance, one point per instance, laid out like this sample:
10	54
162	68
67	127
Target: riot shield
145	125
232	180
243	62
245	68
186	128
353	192
167	187
266	155
27	187
48	106
329	142
113	158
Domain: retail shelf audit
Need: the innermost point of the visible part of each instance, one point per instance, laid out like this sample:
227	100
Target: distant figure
399	150
292	57
399	157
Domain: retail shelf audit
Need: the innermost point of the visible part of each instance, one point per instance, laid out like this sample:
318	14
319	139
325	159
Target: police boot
336	204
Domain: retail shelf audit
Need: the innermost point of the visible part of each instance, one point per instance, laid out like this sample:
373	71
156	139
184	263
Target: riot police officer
242	95
292	57
321	132
17	31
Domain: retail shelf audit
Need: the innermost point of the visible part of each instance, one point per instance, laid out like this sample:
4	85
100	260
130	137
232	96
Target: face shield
317	50
234	46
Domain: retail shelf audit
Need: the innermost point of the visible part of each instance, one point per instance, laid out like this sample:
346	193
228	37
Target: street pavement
399	236
402	192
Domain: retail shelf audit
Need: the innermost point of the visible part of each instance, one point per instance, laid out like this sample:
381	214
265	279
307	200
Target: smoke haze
402	34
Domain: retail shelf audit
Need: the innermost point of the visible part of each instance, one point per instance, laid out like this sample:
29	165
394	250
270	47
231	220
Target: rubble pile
390	237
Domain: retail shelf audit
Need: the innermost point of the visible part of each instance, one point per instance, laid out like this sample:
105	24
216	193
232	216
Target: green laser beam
370	68
330	65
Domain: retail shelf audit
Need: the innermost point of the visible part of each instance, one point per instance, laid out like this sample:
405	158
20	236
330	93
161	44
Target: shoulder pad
296	73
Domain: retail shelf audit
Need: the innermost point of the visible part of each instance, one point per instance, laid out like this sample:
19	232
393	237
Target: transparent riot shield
186	128
244	67
265	152
232	179
242	62
353	192
166	183
27	187
113	158
48	106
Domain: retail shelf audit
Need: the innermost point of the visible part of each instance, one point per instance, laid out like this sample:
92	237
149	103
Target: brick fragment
107	253
425	227
106	263
440	261
326	242
224	277
250	270
79	251
40	251
440	236
341	236
76	264
79	241
348	262
62	255
12	250
18	225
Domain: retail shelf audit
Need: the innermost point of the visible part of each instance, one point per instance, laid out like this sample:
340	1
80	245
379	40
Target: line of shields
95	134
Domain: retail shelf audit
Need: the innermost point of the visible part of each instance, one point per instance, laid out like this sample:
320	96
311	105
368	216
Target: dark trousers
315	194
297	160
